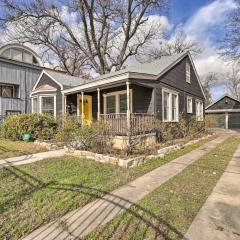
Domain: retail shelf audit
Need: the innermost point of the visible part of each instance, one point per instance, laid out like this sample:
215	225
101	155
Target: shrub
39	126
96	137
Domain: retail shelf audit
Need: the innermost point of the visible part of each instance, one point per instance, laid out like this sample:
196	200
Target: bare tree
233	80
178	43
96	34
230	47
208	81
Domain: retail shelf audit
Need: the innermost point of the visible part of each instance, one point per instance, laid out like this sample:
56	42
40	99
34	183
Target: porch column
99	111
226	120
82	116
128	107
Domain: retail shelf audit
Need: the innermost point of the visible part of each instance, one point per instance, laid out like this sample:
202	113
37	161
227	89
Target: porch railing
140	123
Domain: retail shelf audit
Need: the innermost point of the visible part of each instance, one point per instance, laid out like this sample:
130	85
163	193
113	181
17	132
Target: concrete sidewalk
31	158
80	222
219	218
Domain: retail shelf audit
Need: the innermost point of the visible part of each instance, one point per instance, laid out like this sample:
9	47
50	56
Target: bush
39	126
96	137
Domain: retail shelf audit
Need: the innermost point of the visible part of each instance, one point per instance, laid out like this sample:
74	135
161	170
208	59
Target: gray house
163	89
20	68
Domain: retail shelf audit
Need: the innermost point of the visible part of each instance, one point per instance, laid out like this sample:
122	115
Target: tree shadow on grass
106	204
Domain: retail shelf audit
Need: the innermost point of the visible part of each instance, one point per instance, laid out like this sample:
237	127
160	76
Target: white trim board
222	111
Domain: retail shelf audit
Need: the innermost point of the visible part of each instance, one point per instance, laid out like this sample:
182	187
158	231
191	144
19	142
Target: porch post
128	108
99	111
82	116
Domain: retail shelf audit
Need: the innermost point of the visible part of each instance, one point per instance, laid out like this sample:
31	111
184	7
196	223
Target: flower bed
134	161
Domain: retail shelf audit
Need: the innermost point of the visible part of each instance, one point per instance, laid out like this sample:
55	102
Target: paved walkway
31	158
219	218
80	222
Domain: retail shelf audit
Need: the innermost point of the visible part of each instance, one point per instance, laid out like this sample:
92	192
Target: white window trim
171	92
35	97
117	100
200	117
188	71
191	110
48	95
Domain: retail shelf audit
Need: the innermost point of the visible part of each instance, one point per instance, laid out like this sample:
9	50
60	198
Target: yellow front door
87	109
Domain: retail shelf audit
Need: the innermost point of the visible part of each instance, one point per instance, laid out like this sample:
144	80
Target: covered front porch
126	107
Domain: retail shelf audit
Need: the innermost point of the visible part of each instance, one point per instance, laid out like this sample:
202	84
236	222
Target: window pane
16	54
174	107
6	54
27	57
166	106
7	91
123	103
111	104
188	73
48	105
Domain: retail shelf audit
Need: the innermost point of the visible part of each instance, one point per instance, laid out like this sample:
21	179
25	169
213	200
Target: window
188	72
7	91
48	105
35	105
17	54
170	106
123	103
116	102
189	105
12	112
111	104
199	110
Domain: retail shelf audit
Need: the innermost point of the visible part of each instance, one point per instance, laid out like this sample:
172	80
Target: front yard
167	212
37	193
10	148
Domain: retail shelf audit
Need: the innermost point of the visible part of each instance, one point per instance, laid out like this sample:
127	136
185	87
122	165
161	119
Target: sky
201	21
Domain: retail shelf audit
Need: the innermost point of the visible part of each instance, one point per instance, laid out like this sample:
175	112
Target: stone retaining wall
132	162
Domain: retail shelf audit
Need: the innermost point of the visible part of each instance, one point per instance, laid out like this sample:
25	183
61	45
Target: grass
37	193
10	148
167	212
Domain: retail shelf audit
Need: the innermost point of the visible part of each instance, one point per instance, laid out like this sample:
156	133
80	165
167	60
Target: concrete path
80	222
31	158
219	218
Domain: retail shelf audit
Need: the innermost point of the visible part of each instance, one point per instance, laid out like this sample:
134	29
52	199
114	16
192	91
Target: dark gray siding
59	100
24	78
175	79
225	103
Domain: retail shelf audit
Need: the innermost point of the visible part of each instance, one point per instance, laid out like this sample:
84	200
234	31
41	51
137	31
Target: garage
224	113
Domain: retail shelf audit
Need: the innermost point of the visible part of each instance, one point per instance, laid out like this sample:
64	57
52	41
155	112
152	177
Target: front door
87	109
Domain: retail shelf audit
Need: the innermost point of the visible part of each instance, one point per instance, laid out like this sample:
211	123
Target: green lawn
10	148
37	193
167	212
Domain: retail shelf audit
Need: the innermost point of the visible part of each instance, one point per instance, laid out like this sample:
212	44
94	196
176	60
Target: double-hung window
170	105
189	105
199	110
47	104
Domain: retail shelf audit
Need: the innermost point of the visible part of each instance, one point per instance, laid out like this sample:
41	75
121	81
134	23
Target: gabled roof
61	78
148	71
153	68
223	96
65	79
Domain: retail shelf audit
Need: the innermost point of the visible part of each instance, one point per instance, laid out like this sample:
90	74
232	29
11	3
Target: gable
46	80
225	103
176	78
